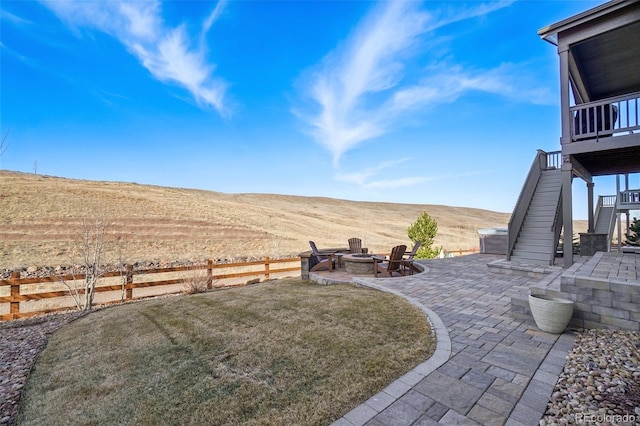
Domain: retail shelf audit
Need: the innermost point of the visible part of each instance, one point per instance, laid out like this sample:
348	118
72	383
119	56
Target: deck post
567	214
563	52
591	226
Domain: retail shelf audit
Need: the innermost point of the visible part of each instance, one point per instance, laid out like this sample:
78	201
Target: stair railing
599	206
524	199
554	160
556	229
612	223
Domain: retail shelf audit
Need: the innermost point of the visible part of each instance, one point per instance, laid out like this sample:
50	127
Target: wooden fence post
266	268
14	306
129	282
209	274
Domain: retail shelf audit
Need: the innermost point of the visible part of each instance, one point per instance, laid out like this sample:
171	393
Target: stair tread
532	256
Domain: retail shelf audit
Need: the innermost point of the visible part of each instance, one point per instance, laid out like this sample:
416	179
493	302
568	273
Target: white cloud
5	15
362	176
213	17
365	177
395	183
370	63
412	181
447	83
362	89
368	178
168	53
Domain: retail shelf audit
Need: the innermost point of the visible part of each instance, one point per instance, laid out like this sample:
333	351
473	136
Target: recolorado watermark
614	419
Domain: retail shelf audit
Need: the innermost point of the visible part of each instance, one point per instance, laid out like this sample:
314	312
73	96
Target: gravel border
600	383
20	343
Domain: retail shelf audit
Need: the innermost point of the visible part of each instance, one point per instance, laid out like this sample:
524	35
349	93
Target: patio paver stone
489	367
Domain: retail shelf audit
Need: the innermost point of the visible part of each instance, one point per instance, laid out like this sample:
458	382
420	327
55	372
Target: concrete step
527	259
538	222
533	246
530	255
534	242
546	204
536	232
548	187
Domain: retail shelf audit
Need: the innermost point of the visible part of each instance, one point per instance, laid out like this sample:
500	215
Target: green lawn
284	352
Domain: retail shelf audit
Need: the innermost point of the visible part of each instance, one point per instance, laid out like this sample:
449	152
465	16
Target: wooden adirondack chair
323	260
355	245
407	262
394	264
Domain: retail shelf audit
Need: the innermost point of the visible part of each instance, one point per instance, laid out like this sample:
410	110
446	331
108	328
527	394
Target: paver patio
489	368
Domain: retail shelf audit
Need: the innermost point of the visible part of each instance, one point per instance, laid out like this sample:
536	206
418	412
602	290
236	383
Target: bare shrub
195	282
89	249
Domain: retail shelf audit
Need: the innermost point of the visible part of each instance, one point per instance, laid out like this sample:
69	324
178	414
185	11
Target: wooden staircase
537	238
605	220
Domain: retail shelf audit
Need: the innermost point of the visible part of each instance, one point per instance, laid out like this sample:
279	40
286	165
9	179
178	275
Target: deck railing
631	196
607	117
119	286
554	160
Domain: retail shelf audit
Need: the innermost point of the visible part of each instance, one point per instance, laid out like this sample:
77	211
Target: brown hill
41	216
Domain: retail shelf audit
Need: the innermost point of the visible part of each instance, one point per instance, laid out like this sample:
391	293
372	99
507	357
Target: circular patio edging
378	402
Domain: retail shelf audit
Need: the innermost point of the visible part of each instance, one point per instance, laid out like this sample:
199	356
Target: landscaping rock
600	380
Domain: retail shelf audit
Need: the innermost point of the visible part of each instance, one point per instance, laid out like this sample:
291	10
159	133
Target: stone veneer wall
592	243
598	303
602	303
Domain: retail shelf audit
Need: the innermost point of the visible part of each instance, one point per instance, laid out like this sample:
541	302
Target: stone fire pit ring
360	264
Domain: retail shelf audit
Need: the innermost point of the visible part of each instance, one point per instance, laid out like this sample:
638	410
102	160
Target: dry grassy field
41	216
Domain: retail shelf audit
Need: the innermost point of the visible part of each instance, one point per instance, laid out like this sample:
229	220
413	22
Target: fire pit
360	263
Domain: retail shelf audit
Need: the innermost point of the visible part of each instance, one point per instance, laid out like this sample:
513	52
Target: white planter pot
551	314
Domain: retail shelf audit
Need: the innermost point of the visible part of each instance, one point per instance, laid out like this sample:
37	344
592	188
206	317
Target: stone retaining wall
600	302
603	303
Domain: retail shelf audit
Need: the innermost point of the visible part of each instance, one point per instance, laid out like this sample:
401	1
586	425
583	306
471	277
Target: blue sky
398	101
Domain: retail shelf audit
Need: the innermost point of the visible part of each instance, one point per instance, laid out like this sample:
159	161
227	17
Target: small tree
424	230
633	235
90	249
